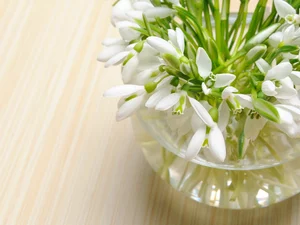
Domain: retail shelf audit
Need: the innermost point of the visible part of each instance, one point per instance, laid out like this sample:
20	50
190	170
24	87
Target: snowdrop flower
165	98
204	65
238	101
215	137
119	11
277	82
162	46
286	11
232	101
132	98
113	47
127	31
288	36
140	65
128	10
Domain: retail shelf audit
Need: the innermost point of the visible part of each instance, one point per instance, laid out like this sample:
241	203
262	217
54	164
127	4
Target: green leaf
287	48
266	109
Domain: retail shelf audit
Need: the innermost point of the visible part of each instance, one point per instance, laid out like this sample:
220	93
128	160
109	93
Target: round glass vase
268	173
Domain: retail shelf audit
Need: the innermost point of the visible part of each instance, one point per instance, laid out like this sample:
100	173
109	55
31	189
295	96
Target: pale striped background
63	158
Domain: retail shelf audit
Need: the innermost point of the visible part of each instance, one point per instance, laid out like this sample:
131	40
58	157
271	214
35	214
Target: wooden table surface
64	159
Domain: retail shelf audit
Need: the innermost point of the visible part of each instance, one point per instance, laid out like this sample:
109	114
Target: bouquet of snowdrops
178	55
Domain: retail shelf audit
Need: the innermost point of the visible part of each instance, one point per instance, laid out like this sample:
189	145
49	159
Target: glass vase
268	173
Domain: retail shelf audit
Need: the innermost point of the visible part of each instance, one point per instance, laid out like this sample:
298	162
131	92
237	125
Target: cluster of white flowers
166	67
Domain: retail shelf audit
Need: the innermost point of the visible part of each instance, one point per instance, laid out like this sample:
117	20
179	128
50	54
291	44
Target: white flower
133	97
119	11
286	11
127	31
162	46
113	47
165	98
177	38
204	65
288	36
215	137
128	10
239	101
236	101
140	65
277	82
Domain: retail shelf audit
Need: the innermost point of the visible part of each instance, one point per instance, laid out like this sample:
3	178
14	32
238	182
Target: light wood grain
64	159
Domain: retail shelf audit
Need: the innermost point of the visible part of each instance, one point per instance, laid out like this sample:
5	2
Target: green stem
244	22
217	17
207	19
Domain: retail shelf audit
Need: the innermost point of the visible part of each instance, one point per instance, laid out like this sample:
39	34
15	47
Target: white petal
196	122
129	70
204	63
223	79
275	39
126	30
290	108
128	33
113	41
123	90
286	91
279	71
227	92
129	107
117	59
172	37
143	77
217	143
142	6
157	97
295	76
119	11
196	143
161	12
205	89
263	66
161	45
135	14
109	52
253	127
268	88
224	114
285	116
245	101
283	8
167	102
202	112
180	39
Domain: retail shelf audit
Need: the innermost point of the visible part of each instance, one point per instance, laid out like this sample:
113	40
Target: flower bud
255	54
212	50
261	36
171	60
185	68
